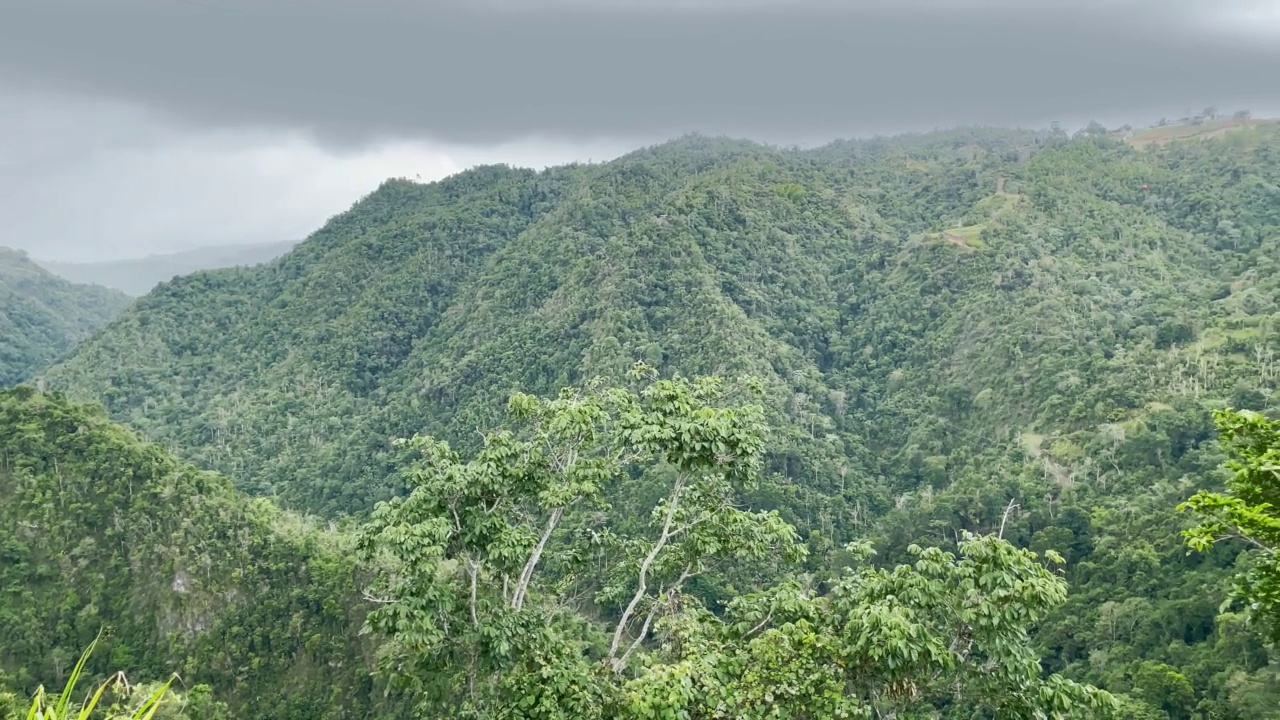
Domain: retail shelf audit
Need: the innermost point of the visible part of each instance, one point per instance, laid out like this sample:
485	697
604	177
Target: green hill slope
98	529
137	276
829	272
43	316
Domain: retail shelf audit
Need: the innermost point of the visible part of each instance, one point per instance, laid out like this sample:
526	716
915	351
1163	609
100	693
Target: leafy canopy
1248	511
509	589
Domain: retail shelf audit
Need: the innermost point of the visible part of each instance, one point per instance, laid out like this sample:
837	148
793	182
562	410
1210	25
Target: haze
144	126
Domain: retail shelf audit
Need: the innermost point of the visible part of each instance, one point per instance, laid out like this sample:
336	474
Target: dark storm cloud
498	69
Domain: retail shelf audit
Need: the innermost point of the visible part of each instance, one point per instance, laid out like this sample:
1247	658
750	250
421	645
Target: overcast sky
136	126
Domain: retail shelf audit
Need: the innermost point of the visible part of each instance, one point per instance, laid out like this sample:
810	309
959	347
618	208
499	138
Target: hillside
264	615
424	305
976	330
137	276
43	316
99	529
1187	131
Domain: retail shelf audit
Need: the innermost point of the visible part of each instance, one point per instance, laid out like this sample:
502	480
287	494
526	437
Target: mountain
43	316
982	330
861	280
137	276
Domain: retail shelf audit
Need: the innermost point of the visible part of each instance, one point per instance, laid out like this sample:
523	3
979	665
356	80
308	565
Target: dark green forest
43	316
967	379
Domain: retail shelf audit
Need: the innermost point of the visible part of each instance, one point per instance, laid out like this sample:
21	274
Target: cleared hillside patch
1188	131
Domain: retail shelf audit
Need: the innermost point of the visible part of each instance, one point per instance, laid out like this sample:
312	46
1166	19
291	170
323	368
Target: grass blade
148	709
64	699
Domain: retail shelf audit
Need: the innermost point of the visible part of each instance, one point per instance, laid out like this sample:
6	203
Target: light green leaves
945	631
1249	511
482	572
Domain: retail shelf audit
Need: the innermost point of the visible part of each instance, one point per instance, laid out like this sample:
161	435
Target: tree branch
526	575
644	628
768	616
379	600
1004	518
474	568
643	583
621	662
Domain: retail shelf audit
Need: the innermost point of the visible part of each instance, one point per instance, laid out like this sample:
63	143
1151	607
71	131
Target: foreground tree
948	633
488	570
509	587
1248	511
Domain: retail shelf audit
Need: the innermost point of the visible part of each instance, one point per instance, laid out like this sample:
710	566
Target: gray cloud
789	71
86	179
141	126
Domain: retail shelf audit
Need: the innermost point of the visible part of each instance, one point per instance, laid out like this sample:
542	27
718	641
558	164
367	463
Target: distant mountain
885	290
138	276
43	316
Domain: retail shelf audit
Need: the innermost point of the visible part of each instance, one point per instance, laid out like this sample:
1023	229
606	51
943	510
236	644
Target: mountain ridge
43	316
424	267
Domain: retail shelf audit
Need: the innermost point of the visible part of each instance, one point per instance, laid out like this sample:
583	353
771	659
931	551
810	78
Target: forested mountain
981	330
43	316
137	276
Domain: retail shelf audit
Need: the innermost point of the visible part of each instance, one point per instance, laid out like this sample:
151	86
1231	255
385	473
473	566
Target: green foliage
482	569
482	572
42	316
1249	511
945	634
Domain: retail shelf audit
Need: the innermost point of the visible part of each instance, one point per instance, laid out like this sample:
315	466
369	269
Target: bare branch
379	600
457	523
1240	534
473	567
643	584
526	575
648	620
768	616
1005	517
621	662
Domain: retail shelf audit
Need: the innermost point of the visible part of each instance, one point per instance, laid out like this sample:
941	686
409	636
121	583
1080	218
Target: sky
132	127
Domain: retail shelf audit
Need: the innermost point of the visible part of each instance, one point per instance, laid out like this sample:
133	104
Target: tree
484	571
945	632
1164	687
1248	511
1094	129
